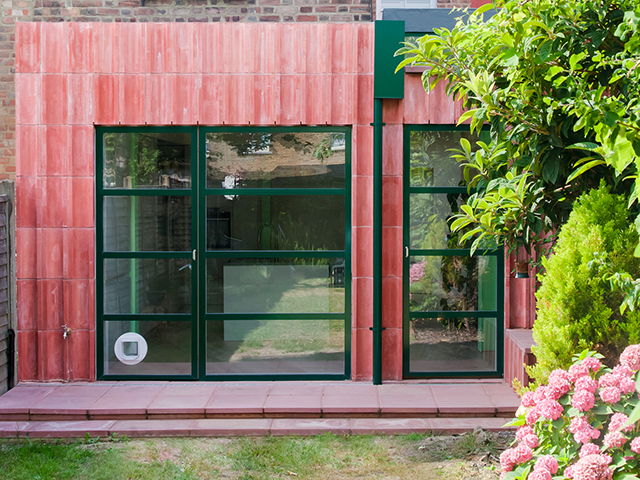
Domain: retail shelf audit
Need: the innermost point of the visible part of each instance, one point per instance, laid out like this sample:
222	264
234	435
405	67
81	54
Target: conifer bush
577	309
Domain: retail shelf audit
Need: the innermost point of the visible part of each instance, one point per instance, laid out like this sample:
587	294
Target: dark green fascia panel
389	37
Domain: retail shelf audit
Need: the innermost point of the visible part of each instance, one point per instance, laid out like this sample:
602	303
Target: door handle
406	252
193	255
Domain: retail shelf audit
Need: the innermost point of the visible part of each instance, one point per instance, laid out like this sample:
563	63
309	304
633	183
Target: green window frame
199	192
498	254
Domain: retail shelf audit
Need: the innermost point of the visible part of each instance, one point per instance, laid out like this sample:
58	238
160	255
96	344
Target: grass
466	457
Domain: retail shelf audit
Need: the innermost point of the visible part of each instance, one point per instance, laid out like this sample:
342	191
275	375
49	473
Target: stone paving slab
231	427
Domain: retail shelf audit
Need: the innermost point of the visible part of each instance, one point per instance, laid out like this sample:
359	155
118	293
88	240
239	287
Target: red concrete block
27	201
297	388
154	428
160	48
341	100
236	99
186	47
106	44
28	99
27	294
262	47
211	41
186	99
392	201
220	427
27	346
362	302
235	58
315	38
262	101
288	41
392	352
289	100
54	96
50	305
50	356
310	426
26	253
80	99
364	47
106	104
82	146
80	47
79	345
293	404
348	405
441	108
392	302
362	248
392	156
211	99
53	254
81	253
316	107
27	47
54	47
132	99
79	304
159	99
362	155
362	201
362	354
392	251
81	202
342	48
392	111
363	114
416	100
54	202
133	47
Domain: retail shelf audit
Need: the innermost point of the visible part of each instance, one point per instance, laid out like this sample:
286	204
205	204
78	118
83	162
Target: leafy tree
557	81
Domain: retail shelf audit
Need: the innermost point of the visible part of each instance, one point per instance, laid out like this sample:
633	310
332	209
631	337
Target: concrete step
231	427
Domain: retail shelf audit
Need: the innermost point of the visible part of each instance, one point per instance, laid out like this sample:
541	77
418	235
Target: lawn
466	457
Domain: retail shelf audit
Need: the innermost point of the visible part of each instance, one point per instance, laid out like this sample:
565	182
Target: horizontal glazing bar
132	192
272	378
485	374
455	314
147	377
453	252
439	190
146	254
274	316
274	254
274	191
147	317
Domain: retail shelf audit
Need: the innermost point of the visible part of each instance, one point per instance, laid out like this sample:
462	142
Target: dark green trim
389	36
147	317
274	254
145	192
274	316
146	255
377	237
498	314
274	191
281	377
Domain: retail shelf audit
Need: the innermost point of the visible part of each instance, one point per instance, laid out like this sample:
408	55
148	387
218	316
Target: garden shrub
576	308
581	426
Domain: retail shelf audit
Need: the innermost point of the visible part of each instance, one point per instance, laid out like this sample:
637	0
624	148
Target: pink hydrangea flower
531	441
558	374
540	394
568	472
617	421
610	394
631	357
522	454
592	363
622	371
558	388
523	432
540	475
614	440
577	371
582	431
583	400
635	445
507	460
547	462
627	385
609	380
592	467
551	409
532	416
589	449
528	399
586	383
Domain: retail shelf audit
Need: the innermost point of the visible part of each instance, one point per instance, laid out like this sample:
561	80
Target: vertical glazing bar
377	241
133	235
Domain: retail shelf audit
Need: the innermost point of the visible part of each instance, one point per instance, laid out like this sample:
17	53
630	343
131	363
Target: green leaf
466	115
545	50
622	154
550	169
587	166
483	8
590	146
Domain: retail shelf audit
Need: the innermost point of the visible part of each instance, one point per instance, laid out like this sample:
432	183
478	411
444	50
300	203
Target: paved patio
227	409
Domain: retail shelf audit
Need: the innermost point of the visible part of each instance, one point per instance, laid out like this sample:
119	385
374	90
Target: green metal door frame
498	253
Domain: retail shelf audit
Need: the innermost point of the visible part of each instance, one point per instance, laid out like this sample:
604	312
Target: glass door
146	238
453	302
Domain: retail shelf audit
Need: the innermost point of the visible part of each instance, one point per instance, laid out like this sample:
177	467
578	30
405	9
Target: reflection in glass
147	223
431	163
169	346
429	214
147	285
147	160
286	285
275	160
452	344
448	283
276	222
275	346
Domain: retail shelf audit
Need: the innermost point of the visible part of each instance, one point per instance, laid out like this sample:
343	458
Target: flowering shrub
581	425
